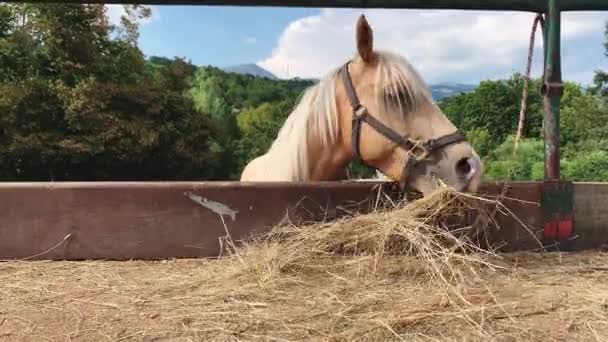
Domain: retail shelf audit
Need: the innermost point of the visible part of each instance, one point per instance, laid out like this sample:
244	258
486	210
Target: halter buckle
421	148
360	111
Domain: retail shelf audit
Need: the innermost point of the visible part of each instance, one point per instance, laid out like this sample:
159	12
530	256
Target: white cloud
115	12
443	45
249	40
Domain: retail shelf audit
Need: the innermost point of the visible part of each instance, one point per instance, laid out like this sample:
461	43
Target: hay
394	275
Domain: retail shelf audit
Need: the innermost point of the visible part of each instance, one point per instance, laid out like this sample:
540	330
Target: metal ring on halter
360	112
420	147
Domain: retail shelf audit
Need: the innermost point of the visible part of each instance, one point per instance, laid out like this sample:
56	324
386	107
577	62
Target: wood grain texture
590	215
121	221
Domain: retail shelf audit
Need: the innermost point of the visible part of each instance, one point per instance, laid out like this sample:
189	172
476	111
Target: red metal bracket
559	229
557	208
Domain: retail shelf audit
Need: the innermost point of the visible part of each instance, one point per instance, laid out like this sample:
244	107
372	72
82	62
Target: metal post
557	200
552	90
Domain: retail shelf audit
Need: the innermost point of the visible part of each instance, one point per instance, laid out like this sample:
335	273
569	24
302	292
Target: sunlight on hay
366	241
367	274
396	275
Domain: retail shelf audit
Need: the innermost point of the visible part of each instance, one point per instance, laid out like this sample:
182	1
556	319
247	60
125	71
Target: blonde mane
397	84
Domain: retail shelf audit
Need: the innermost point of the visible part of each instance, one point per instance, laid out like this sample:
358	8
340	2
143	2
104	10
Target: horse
375	108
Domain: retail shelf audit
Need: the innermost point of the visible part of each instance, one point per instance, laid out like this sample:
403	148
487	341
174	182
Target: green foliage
76	104
584	146
600	80
259	127
583	117
489	115
587	166
505	165
78	101
588	161
247	110
241	91
494	107
359	170
538	170
480	139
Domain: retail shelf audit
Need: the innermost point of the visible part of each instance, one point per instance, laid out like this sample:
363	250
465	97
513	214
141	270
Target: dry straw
408	240
395	274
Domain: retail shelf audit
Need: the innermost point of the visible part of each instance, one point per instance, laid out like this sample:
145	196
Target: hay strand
390	275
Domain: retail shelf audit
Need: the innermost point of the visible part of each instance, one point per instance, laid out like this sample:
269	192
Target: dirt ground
536	297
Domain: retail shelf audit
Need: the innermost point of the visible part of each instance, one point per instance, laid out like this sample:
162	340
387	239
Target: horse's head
394	124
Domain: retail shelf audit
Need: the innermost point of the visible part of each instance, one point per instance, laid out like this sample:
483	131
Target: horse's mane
397	84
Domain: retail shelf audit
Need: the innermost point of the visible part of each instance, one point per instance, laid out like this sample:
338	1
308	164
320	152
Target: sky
444	45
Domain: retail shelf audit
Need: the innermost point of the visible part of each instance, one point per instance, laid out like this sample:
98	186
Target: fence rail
490	5
156	220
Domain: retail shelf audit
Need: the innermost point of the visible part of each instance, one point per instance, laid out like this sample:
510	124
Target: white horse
375	108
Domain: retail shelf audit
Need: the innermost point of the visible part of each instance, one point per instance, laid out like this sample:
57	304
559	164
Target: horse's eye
401	97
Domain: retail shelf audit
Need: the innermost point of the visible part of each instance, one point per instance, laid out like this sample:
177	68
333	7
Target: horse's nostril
463	167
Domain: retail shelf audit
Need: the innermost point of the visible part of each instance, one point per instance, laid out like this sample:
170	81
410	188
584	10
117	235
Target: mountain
443	90
250	69
439	90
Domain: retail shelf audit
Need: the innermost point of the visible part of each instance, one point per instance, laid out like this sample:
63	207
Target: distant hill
439	90
250	69
443	90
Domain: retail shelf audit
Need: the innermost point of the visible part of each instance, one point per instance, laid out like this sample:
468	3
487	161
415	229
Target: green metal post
552	90
557	201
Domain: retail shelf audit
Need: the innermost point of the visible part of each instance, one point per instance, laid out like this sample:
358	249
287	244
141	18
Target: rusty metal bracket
552	88
558	219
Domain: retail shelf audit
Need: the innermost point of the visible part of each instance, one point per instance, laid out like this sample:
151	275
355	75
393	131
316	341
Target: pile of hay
392	275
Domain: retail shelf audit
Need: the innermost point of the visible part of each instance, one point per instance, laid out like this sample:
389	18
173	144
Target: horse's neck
327	163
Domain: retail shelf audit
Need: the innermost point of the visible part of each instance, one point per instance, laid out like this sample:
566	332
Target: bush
588	164
587	167
538	171
503	165
480	140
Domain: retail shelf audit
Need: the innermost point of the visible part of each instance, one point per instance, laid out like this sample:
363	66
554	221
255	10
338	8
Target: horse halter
360	114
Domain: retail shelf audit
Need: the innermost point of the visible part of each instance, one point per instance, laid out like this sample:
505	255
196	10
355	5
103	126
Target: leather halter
360	115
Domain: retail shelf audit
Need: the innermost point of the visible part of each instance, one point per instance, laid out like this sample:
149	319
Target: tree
247	110
504	165
493	109
600	80
582	117
259	127
78	101
77	104
588	166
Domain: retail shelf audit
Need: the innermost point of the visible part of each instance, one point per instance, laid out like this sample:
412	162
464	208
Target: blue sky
467	46
220	36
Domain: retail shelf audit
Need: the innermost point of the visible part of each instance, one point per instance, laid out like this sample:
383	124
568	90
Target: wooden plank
590	215
183	220
166	220
489	5
518	222
156	220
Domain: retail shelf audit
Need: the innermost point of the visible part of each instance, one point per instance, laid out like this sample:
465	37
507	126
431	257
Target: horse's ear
365	40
